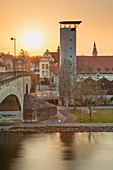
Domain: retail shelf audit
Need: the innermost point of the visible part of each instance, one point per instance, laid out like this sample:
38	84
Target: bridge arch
11	90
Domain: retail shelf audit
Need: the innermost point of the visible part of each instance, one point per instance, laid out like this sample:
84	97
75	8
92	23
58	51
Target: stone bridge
13	86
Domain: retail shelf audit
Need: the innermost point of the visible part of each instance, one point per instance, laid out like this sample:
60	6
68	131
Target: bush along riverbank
53	129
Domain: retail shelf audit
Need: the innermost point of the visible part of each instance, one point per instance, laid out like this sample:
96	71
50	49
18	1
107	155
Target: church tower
94	53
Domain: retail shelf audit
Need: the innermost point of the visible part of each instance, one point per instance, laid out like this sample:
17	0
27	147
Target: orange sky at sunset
42	16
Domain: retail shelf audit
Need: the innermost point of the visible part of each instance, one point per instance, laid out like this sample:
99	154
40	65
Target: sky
17	17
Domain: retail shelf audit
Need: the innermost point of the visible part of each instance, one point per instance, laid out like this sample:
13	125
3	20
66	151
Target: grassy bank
98	115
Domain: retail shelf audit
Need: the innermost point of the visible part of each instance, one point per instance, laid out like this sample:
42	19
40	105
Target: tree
23	54
89	93
67	82
72	86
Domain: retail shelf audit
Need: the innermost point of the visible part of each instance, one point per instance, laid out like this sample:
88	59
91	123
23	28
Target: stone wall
36	109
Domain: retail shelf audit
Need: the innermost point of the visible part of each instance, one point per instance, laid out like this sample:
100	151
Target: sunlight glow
32	39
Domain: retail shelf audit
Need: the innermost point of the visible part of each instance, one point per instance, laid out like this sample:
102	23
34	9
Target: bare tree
72	86
67	82
89	93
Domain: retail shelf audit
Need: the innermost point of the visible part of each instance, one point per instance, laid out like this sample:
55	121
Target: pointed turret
58	49
94	53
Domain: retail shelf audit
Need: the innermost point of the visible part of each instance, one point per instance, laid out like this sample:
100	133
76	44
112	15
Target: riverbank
72	127
62	122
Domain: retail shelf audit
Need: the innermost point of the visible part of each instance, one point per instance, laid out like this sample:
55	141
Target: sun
32	39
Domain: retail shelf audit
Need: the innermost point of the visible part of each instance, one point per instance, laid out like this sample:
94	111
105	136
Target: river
56	151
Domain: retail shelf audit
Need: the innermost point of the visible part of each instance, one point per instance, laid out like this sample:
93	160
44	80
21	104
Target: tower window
70	56
70	48
70	39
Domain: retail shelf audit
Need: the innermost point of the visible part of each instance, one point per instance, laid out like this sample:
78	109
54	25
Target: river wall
35	109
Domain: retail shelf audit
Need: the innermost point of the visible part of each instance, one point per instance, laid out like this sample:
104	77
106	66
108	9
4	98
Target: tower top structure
72	24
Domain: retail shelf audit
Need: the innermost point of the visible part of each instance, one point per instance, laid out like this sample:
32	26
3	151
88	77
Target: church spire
94	53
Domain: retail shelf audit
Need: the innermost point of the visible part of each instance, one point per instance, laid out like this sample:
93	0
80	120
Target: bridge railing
12	74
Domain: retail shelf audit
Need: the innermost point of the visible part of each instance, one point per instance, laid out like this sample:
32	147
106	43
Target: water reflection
67	139
9	146
56	151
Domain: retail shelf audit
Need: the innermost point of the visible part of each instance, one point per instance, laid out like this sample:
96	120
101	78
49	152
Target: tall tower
94	53
68	44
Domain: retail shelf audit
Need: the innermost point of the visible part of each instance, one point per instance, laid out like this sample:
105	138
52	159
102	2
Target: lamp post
23	69
14	39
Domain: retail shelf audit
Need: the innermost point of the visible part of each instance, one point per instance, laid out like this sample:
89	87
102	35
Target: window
70	48
70	39
70	56
42	66
19	67
50	59
43	73
46	73
107	69
98	69
24	67
46	66
52	74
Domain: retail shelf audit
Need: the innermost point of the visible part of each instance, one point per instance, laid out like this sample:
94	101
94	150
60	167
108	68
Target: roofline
94	73
70	22
94	56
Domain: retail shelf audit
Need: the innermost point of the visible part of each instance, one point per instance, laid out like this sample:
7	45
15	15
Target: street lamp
14	39
23	59
23	69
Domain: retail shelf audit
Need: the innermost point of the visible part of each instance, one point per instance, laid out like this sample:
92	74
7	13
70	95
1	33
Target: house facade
6	60
20	64
48	65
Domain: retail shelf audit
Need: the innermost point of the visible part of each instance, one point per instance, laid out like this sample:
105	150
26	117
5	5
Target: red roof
6	56
94	64
56	56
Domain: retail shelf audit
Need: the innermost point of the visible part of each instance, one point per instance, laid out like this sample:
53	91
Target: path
65	120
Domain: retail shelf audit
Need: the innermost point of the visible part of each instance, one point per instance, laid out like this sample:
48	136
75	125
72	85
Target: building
20	64
68	44
95	66
35	60
6	59
2	67
48	65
